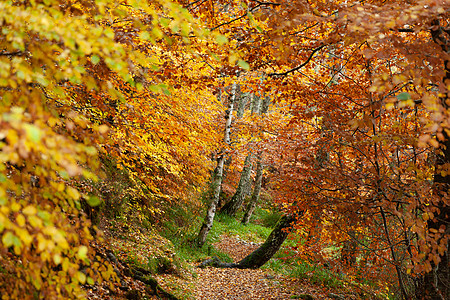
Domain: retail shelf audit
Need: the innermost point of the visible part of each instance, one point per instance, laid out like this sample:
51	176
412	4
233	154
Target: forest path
236	284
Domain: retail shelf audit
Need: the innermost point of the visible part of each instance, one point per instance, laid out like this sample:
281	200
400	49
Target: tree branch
300	66
241	16
15	53
437	33
266	3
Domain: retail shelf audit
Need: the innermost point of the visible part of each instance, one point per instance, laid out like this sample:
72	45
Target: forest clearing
228	149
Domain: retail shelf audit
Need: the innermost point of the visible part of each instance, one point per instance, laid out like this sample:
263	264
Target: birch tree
218	174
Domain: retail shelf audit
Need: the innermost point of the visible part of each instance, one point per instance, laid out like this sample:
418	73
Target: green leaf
93	201
164	22
82	252
221	39
95	59
8	239
403	96
91	150
33	132
243	64
145	35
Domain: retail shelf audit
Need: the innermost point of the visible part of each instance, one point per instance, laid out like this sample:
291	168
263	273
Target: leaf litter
231	284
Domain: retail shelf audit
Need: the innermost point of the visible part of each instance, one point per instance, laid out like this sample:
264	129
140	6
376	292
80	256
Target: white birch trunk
218	176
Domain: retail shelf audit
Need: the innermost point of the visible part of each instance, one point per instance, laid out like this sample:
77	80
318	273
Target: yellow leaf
82	252
8	239
390	24
65	264
15	206
81	277
106	275
57	259
29	210
434	143
12	137
73	193
42	243
24	236
35	221
103	129
390	106
20	219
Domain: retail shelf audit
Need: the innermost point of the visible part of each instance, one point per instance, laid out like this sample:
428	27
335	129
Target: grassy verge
284	262
180	228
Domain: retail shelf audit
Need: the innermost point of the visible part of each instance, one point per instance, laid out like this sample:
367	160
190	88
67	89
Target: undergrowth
257	231
180	224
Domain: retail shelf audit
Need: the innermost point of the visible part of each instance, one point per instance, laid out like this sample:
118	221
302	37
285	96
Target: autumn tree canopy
356	136
365	154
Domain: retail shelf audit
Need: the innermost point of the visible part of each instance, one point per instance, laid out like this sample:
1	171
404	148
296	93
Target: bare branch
266	3
15	53
300	66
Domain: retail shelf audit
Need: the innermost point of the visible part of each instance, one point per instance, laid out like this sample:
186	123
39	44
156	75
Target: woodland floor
214	283
208	283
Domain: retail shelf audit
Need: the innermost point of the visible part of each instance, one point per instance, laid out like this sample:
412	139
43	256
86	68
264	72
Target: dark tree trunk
256	191
232	206
436	284
264	253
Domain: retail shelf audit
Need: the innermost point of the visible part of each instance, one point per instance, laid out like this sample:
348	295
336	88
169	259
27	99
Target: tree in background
366	86
76	79
358	134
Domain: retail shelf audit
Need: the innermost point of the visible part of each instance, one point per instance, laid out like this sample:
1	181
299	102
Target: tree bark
218	175
436	284
263	107
242	104
256	191
232	206
264	253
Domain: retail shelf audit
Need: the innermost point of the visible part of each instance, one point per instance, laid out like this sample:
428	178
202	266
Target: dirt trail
228	284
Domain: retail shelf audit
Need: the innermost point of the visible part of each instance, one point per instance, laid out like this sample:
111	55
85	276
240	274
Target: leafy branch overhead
334	112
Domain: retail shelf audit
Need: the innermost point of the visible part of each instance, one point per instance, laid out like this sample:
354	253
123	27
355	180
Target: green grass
266	217
181	227
224	224
257	231
316	274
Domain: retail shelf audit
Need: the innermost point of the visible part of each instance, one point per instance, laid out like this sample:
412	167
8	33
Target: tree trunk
218	176
216	187
436	284
264	253
256	191
263	107
232	206
242	104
